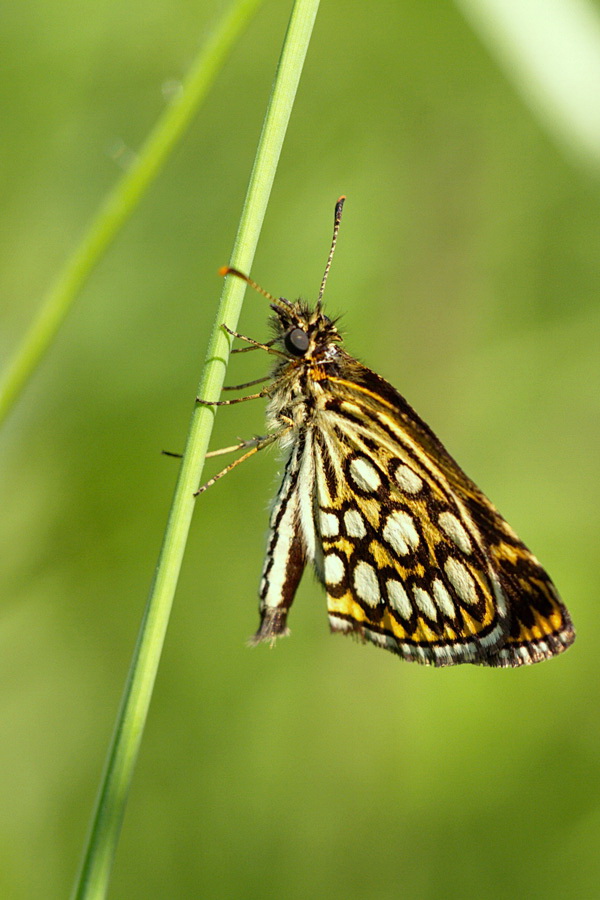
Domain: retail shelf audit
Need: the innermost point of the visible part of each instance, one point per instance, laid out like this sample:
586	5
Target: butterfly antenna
278	301
336	227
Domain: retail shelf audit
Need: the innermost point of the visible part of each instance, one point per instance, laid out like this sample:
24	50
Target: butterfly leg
242	337
258	444
239	387
264	393
234	447
253	347
222	451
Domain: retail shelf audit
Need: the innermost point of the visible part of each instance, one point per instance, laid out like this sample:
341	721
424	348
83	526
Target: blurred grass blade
123	199
106	825
550	49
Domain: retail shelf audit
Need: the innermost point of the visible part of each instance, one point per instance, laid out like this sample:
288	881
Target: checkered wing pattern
415	558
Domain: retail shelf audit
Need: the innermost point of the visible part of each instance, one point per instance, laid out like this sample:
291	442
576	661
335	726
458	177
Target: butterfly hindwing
393	574
286	554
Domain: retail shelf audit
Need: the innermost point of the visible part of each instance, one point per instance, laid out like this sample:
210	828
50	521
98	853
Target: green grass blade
551	53
108	817
123	199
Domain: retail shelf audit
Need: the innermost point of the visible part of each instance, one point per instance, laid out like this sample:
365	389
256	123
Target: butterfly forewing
407	564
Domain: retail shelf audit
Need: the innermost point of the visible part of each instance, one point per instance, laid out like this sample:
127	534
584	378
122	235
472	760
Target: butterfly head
304	334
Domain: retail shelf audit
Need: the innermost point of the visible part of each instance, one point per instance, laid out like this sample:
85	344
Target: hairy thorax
299	399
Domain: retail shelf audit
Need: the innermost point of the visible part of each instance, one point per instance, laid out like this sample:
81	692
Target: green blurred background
468	274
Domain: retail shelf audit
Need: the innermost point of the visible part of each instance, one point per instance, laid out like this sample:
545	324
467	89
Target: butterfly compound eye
296	342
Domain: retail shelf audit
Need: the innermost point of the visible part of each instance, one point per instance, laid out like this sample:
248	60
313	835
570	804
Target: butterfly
413	556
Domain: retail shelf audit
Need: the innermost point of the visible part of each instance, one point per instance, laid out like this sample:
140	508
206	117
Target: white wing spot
443	599
366	584
400	532
425	603
408	480
335	569
364	474
453	529
355	525
330	527
461	580
399	598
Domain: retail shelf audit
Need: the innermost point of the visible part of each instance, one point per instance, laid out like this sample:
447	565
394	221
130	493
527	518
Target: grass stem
99	853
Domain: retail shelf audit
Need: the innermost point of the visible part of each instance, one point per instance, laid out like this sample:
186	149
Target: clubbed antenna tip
336	227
